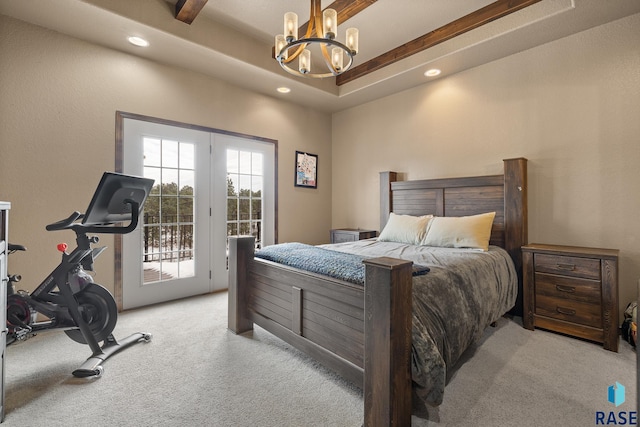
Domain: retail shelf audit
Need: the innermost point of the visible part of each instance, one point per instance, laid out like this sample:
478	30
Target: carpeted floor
194	372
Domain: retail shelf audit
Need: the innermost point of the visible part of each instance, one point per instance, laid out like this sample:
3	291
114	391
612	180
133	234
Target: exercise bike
68	299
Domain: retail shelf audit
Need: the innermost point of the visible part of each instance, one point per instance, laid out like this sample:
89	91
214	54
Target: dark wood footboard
362	333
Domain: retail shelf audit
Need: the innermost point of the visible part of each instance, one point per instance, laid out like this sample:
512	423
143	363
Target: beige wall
58	98
572	107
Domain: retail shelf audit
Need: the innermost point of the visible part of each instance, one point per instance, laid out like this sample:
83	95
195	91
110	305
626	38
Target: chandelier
289	47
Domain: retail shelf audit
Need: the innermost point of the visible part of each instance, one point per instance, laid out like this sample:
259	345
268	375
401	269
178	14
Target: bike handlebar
65	223
69	223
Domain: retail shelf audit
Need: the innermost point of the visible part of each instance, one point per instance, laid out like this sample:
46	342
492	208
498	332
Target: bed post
240	253
387	342
515	217
386	203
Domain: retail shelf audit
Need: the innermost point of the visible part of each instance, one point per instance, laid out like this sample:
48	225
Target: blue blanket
339	265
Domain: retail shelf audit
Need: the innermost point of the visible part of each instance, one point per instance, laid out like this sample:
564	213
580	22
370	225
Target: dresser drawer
569	310
560	287
588	268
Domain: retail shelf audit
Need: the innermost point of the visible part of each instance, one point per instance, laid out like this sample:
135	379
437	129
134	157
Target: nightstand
340	235
572	290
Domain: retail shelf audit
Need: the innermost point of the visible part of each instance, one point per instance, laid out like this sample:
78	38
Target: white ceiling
232	39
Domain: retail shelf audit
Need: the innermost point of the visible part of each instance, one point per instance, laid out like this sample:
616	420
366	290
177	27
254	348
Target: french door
167	256
207	186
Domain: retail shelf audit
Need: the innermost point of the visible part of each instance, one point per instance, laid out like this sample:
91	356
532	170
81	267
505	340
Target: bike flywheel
98	308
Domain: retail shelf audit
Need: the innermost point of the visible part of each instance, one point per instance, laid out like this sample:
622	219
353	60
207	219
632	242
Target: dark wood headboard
505	194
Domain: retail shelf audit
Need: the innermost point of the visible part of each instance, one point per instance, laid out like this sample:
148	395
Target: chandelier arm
316	15
312	19
327	59
297	53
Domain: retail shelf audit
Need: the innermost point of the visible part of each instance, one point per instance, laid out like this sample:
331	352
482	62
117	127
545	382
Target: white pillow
405	229
460	232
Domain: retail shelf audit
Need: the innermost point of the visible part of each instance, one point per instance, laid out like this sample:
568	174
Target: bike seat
13	247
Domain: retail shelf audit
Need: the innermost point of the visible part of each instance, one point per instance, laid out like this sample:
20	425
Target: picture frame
306	170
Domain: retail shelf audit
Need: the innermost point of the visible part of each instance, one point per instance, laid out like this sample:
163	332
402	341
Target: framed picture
306	170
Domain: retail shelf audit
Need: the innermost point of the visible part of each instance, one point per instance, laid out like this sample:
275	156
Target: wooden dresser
4	231
572	290
340	235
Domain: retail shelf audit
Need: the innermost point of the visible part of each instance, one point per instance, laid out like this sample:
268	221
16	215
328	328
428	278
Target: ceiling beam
187	10
345	9
482	16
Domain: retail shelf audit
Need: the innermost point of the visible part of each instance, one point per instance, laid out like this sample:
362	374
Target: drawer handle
569	267
568	289
566	311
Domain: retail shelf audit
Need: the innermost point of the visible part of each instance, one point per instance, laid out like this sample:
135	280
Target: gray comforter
465	291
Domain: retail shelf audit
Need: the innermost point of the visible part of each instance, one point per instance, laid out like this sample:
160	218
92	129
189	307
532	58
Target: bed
366	333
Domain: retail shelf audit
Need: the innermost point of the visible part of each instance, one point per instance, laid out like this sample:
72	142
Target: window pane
169	154
244	210
151	241
154	174
151	210
256	186
186	238
245	185
245	228
232	209
256	209
169	209
169	182
187	155
245	162
256	163
169	238
187	180
232	185
151	150
185	209
232	229
232	161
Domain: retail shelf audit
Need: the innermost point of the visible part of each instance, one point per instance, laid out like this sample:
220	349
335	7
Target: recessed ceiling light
432	72
138	41
283	89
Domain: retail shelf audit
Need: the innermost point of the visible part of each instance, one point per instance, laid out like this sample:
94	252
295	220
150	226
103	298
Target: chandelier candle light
326	26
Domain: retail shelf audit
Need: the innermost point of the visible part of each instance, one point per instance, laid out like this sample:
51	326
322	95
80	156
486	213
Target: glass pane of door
168	248
244	197
244	194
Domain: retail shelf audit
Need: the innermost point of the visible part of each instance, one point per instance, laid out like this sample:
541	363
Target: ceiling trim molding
187	10
480	17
